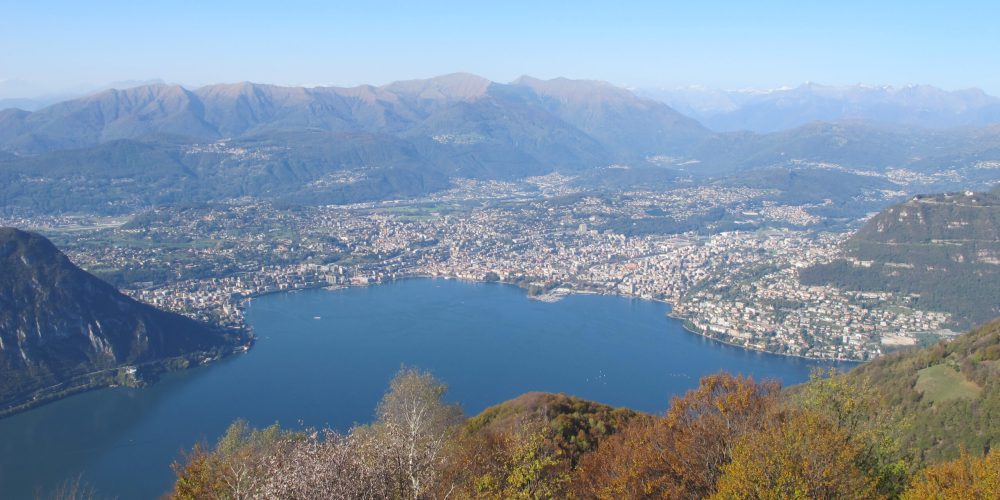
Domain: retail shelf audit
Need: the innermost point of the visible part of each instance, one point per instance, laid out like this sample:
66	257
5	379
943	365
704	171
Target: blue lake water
325	358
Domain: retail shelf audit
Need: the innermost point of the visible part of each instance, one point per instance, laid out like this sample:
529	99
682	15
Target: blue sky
719	44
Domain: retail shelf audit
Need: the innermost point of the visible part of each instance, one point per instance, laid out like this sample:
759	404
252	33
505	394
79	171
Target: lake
325	358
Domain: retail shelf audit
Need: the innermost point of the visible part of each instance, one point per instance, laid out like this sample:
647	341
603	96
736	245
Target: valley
485	251
610	251
726	258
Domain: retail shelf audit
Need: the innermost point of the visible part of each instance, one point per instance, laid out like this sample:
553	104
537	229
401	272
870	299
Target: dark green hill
944	249
315	166
947	396
63	330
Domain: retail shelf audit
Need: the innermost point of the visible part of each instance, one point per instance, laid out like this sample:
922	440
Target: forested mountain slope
63	330
943	249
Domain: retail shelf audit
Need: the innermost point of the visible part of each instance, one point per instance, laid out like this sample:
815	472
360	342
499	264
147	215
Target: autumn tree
707	422
800	455
526	447
504	464
967	477
197	475
871	426
630	464
682	454
239	464
531	470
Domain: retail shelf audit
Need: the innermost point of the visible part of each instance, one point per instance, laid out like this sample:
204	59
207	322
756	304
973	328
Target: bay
325	358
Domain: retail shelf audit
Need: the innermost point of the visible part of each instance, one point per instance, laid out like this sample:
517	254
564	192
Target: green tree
870	425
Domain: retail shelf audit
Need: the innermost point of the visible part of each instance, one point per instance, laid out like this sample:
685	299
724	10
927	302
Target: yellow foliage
966	477
803	455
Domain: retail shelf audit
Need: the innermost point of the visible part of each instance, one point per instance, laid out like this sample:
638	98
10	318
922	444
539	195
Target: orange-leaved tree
800	454
682	454
966	477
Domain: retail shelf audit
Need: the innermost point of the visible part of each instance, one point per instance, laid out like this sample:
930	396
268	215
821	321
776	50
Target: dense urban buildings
736	283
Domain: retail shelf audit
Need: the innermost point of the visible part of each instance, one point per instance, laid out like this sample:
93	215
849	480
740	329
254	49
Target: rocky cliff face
63	330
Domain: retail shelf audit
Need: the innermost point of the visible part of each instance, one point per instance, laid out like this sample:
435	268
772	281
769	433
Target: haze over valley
197	201
487	284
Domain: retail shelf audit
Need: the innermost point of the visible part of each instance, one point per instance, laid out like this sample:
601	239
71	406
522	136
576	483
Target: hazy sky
61	44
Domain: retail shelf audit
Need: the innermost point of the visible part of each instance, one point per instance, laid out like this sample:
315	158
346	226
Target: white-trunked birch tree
400	455
414	425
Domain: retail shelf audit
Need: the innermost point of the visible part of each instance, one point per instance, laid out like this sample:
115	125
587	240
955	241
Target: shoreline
685	324
551	298
136	376
108	378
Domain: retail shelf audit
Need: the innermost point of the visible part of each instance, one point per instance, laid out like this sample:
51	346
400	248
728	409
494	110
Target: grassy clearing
941	382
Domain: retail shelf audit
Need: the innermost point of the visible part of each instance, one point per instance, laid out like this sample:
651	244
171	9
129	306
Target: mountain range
32	96
120	151
763	111
458	107
63	330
